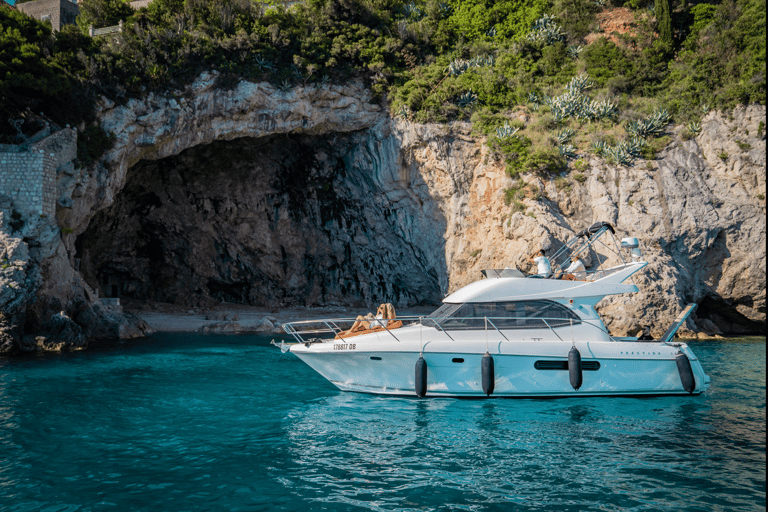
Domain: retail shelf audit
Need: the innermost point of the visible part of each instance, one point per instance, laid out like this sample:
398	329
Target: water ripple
228	423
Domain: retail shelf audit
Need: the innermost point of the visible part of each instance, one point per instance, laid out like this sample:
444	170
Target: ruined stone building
58	12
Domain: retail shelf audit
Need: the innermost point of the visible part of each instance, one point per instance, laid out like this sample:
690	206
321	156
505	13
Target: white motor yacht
508	335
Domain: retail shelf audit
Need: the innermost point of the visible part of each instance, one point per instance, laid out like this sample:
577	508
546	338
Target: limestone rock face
701	219
316	197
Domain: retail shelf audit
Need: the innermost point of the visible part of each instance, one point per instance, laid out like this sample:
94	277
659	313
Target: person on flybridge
542	262
576	269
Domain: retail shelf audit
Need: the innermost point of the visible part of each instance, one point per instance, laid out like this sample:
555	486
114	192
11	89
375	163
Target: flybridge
504	288
597	283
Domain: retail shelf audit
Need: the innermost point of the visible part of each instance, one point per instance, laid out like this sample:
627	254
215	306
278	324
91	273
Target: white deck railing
307	331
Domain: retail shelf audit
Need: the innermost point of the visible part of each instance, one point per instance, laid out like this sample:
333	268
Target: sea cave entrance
272	221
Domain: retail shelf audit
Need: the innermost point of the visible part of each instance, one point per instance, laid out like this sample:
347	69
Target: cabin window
587	366
532	314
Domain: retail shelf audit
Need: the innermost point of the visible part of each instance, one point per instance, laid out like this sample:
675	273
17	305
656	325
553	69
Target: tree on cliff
102	13
664	20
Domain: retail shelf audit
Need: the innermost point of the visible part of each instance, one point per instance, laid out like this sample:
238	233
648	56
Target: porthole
458	359
375	358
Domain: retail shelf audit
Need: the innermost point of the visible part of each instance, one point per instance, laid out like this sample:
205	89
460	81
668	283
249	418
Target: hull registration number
344	346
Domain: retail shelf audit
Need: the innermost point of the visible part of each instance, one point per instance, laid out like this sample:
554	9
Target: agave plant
545	21
467	99
491	32
456	67
567	150
285	86
546	31
652	126
506	132
565	135
634	146
403	112
263	63
412	11
460	66
694	127
574	51
600	148
580	83
619	154
604	109
296	72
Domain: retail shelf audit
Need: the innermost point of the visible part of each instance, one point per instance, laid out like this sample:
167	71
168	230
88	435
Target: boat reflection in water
507	335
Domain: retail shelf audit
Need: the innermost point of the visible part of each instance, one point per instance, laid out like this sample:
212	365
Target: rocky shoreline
239	318
299	200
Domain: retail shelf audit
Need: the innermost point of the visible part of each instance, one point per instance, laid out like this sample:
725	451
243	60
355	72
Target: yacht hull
522	369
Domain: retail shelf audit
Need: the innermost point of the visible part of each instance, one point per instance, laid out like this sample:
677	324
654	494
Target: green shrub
545	160
605	61
92	142
654	146
16	222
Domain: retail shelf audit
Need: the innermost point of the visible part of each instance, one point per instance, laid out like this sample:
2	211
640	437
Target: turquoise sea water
192	422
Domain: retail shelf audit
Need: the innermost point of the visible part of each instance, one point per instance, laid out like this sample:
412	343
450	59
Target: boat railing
593	275
308	331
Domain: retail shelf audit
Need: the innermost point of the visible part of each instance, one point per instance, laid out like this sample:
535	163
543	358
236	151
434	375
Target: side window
541	314
545	314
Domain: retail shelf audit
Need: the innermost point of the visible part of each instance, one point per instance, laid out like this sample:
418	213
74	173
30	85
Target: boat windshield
531	314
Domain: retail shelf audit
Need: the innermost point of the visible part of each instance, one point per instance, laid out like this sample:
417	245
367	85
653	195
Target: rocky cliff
315	196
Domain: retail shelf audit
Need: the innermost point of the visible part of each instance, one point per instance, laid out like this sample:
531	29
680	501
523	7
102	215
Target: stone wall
138	4
28	176
58	12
